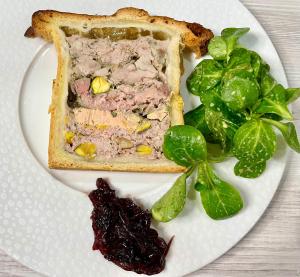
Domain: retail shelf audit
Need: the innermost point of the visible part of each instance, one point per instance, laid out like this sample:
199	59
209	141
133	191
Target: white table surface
272	247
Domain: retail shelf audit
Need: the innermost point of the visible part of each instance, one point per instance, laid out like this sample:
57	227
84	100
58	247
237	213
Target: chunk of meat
143	48
130	75
84	46
145	65
85	65
121	53
81	86
102	72
94	117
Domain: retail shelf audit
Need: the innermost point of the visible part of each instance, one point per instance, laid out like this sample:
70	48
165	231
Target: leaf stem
190	170
207	172
271	121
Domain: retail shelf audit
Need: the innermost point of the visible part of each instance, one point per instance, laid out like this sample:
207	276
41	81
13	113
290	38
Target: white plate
44	215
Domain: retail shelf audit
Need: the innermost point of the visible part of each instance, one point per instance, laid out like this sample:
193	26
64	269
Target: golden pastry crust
47	24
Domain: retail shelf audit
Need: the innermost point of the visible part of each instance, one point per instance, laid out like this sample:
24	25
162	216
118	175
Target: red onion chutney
123	234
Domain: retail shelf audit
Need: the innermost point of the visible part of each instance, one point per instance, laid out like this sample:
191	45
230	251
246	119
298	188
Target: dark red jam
123	234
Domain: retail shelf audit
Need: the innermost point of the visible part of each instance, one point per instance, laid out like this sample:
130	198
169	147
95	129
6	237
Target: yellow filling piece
143	126
143	149
100	85
86	150
69	136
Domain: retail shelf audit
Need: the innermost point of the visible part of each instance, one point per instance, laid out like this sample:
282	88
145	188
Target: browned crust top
194	36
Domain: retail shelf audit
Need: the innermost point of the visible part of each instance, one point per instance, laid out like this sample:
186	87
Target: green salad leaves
241	106
220	200
249	102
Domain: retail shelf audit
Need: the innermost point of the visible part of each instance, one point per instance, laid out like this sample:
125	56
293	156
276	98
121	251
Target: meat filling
118	96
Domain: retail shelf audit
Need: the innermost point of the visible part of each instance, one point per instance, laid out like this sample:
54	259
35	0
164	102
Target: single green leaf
288	131
256	63
231	36
259	66
212	101
212	98
239	93
238	72
234	32
222	128
277	94
239	65
249	169
217	48
191	192
292	94
240	58
270	106
219	199
221	119
267	83
196	118
254	141
172	202
185	145
206	75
